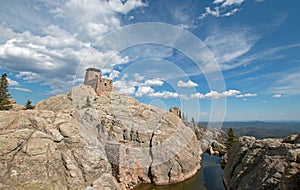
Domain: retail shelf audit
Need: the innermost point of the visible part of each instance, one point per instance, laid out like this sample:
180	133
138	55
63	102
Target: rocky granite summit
84	141
263	164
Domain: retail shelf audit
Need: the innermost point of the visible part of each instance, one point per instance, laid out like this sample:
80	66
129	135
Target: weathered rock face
263	164
81	140
44	150
143	143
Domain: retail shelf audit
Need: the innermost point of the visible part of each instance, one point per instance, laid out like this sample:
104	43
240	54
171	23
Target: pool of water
209	177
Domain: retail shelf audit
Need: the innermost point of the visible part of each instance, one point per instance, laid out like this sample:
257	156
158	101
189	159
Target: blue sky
217	59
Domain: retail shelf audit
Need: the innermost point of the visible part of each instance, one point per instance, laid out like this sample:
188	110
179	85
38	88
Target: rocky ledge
263	164
84	141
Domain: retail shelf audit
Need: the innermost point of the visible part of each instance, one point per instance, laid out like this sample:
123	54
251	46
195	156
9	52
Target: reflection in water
209	177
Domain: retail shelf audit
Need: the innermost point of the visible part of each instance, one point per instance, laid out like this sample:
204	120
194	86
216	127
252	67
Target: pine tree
4	95
28	105
231	139
193	122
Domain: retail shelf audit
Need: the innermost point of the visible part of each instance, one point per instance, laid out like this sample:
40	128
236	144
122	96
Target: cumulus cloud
217	95
48	58
94	17
154	82
143	87
150	92
187	84
144	90
52	52
123	87
164	94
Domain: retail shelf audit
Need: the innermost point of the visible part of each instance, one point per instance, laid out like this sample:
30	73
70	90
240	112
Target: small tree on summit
231	139
5	104
28	105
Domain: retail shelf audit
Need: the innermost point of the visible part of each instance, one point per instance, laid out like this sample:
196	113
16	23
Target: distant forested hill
260	129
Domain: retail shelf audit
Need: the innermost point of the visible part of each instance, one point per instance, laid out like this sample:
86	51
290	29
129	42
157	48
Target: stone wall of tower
93	83
90	74
104	86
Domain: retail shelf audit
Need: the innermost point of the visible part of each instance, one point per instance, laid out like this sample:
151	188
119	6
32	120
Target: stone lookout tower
93	78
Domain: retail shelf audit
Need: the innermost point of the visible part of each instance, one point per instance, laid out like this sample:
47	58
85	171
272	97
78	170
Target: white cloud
12	82
41	58
246	95
150	92
232	2
113	74
89	13
123	87
231	93
217	95
222	10
28	76
164	94
232	12
144	90
277	96
215	12
154	82
51	50
218	1
209	11
21	89
187	84
250	95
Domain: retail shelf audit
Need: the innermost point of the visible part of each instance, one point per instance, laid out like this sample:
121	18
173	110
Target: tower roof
93	69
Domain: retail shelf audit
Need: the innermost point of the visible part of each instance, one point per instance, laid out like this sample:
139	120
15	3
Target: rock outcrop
263	164
211	140
45	150
81	140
